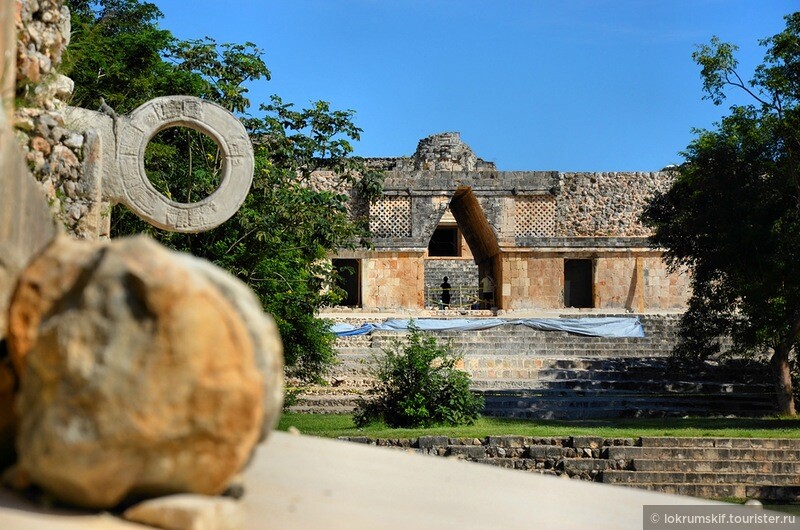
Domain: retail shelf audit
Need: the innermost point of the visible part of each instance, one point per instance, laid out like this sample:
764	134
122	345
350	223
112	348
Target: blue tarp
612	327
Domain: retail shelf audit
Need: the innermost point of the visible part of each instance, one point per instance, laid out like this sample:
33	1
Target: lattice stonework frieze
390	216
535	216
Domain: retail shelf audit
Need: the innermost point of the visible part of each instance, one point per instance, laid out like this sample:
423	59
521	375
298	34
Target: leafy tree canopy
279	240
732	215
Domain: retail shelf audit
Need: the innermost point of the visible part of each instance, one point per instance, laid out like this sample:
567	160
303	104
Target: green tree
732	215
279	240
418	385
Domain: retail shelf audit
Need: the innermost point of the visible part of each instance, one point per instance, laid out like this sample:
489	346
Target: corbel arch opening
465	286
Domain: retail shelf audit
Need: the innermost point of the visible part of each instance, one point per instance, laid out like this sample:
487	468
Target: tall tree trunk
783	379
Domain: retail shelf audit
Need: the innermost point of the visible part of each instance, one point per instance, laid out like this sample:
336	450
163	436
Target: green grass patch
335	425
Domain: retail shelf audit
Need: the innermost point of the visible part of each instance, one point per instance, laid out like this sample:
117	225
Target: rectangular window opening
445	242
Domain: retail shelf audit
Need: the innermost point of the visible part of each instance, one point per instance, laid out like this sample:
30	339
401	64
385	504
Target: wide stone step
328	400
601	412
310	408
669	477
358	351
623	372
606	374
630	385
778	493
706	491
611	364
725	443
518	376
717	466
606	410
701	453
534	398
723	491
601	408
654	409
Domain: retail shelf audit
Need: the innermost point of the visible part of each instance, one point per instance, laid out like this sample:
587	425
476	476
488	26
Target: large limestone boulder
263	331
138	376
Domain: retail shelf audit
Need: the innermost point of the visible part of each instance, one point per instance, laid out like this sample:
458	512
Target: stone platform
527	373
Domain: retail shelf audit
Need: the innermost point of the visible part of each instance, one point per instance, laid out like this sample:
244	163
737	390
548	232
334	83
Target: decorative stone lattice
390	217
535	216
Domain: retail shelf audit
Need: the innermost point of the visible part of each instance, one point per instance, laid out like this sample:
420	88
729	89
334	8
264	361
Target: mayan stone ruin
549	240
457	238
129	371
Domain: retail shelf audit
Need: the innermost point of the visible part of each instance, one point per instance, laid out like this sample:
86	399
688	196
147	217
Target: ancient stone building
548	240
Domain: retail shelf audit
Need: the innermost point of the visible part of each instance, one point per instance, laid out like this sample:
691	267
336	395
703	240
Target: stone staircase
713	468
766	469
526	373
645	387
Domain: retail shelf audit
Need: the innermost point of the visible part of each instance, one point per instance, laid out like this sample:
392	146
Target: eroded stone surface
263	332
188	512
138	376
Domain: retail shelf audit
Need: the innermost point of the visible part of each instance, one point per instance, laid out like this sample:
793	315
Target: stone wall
578	457
323	180
462	275
393	280
640	282
53	151
531	281
605	204
664	289
636	281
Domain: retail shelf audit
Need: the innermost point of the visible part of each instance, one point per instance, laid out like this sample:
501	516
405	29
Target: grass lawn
334	425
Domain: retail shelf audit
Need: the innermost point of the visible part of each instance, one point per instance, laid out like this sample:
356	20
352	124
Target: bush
418	385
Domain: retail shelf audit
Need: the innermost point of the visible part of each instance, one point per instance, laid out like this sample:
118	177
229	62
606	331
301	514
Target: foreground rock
188	512
263	331
137	375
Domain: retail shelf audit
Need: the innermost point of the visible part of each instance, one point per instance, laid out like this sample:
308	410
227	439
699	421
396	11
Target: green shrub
418	385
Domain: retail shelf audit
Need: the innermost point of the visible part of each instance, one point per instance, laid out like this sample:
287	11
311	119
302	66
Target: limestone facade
550	240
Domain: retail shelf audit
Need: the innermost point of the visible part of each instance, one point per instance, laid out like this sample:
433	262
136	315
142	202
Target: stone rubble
54	153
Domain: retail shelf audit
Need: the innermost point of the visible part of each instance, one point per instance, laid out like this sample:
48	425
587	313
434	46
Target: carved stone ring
137	192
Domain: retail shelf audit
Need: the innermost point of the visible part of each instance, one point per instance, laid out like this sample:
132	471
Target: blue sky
568	85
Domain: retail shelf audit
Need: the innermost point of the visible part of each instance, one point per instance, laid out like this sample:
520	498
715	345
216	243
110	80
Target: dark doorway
578	283
445	242
349	279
